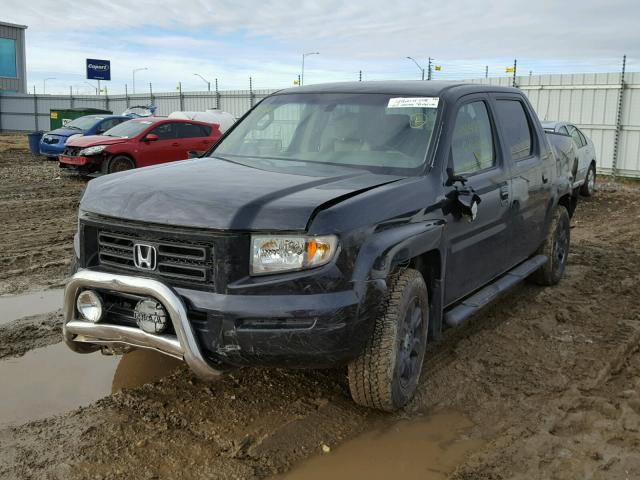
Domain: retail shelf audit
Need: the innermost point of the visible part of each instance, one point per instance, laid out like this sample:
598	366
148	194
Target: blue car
52	143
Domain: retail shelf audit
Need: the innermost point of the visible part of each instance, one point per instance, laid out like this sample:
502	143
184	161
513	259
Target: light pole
305	55
418	65
134	76
44	84
205	81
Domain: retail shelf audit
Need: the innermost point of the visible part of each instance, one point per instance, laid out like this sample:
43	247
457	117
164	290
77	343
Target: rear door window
472	142
516	128
575	134
191	130
582	137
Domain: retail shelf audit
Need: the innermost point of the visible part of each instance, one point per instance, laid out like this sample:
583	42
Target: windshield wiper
74	127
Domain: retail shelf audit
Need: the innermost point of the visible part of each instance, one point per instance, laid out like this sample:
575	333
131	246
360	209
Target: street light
305	55
134	76
205	81
44	84
419	66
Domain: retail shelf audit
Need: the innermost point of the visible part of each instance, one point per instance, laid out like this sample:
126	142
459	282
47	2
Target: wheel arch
418	246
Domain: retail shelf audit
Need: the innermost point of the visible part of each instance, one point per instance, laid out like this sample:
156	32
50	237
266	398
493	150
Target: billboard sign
98	69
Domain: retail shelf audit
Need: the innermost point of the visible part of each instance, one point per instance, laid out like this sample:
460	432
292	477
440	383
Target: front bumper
51	149
85	337
77	161
294	331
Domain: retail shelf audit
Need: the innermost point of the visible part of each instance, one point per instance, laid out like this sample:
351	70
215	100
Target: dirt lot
548	377
38	218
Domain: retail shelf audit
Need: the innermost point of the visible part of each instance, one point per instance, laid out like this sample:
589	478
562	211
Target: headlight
92	150
89	306
280	253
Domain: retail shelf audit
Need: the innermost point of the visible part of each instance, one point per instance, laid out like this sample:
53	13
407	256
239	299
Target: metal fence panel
588	100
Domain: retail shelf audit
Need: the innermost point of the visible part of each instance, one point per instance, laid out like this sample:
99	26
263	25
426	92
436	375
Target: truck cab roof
432	88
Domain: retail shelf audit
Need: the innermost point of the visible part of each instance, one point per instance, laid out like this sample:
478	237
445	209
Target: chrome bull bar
85	337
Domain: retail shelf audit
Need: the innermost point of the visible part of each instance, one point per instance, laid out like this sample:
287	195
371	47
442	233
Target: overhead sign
98	69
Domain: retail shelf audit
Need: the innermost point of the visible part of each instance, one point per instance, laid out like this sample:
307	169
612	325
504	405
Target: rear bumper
295	331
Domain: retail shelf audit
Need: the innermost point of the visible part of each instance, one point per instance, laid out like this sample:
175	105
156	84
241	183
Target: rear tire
556	248
385	375
588	187
119	163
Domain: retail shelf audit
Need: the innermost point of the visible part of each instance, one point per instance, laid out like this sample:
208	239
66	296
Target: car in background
139	143
52	143
585	168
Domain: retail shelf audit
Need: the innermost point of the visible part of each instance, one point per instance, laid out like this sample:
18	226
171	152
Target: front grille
187	261
72	151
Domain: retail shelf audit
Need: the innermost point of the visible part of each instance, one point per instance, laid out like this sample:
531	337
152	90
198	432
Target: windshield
382	133
83	123
127	129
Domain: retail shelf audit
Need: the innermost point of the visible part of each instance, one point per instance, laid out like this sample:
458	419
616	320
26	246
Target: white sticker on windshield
414	102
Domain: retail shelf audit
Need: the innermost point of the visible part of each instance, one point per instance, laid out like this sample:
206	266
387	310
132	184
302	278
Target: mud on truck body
334	225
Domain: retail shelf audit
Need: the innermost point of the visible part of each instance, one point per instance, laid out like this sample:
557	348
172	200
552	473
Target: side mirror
152	137
462	202
468	202
193	154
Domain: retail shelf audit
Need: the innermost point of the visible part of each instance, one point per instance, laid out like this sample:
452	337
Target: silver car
585	169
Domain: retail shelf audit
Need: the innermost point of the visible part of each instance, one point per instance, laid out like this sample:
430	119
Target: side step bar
471	305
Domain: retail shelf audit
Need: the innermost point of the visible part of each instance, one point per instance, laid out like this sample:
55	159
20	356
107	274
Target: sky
234	40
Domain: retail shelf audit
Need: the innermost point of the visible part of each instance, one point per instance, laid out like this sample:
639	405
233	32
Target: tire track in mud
38	211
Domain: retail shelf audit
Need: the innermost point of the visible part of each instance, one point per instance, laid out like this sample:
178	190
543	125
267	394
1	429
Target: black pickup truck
334	225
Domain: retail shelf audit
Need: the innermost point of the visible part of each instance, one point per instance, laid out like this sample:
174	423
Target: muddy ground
549	377
38	218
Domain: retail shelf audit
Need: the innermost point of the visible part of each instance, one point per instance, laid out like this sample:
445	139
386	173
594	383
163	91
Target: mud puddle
13	307
428	448
53	380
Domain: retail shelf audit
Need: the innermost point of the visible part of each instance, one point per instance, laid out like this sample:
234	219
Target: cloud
233	40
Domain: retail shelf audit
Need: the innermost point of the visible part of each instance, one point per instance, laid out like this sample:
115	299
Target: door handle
175	144
504	192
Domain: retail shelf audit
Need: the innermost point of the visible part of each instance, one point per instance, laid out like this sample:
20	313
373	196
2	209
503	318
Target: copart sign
98	69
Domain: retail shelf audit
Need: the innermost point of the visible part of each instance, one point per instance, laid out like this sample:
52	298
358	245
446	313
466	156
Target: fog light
89	305
151	316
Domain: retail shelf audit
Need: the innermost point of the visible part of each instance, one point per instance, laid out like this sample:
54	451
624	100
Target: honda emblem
144	256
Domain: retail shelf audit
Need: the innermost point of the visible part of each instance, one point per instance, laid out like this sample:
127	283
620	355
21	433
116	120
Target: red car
138	143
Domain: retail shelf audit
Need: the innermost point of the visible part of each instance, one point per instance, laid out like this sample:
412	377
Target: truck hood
219	194
91	140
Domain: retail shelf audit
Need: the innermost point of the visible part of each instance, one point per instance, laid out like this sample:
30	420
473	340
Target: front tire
119	163
588	187
385	375
556	248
